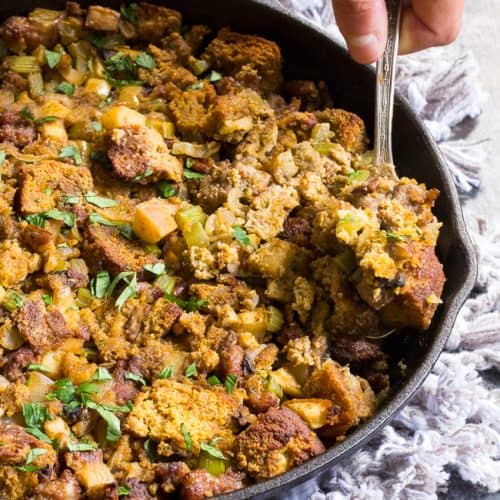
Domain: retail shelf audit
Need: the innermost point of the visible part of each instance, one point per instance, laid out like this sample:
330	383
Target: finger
427	23
364	26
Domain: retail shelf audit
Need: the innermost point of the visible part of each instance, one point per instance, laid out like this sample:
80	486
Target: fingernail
364	48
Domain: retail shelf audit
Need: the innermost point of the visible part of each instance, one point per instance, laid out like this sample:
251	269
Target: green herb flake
191	371
190	174
148	172
34	453
28	468
47	299
128	12
165	373
187	438
213	380
231	381
396	237
64	391
46	119
157	269
212	450
125	229
96	40
82	447
135	378
32	367
144	60
66	88
100	284
87	388
52	58
121	71
113	428
130	290
241	235
101	375
150	450
67	217
123	490
35	431
100	201
195	86
193	304
71	152
166	189
35	414
96	126
27	113
3	156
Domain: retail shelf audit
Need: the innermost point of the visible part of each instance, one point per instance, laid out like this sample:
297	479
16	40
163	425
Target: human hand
425	23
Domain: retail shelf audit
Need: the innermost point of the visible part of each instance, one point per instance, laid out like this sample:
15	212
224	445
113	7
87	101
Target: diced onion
195	150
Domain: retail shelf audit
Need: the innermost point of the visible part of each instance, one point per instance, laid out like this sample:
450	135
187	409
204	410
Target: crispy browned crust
16	129
156	21
44	184
417	301
348	128
239	55
200	484
276	442
105	248
19	35
65	487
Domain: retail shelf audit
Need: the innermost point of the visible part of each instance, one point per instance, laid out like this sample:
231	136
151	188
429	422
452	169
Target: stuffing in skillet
199	262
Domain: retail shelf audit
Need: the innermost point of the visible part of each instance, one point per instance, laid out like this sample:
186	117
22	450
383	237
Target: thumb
364	26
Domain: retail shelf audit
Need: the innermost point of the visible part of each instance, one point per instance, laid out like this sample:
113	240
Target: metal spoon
386	72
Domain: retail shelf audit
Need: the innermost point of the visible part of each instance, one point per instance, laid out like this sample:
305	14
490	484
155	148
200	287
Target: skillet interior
310	54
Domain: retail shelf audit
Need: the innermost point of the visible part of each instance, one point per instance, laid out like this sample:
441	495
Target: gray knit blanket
452	425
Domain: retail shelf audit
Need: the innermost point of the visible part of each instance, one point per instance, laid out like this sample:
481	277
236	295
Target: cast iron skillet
309	53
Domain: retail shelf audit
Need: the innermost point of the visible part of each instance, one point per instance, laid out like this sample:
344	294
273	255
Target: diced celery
274	387
196	236
199	66
213	465
23	64
84	298
190	215
274	319
359	176
321	132
166	283
35	81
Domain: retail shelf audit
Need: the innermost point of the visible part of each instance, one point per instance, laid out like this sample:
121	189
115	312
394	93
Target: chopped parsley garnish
47	299
121	70
100	284
148	172
37	367
52	58
166	189
242	236
32	455
213	380
128	12
71	152
165	373
231	381
12	302
144	60
3	156
29	115
195	86
187	438
113	428
190	174
96	126
64	391
36	220
191	371
150	450
67	217
135	378
101	375
125	229
82	447
66	88
100	201
96	40
157	269
35	415
212	450
394	236
46	119
123	490
130	290
191	305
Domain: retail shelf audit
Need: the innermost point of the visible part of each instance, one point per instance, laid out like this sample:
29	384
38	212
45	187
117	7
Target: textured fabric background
453	423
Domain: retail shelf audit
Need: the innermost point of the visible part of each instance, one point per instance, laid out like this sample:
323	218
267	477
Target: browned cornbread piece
139	154
16	129
155	21
242	56
16	263
204	412
276	442
105	248
351	394
44	185
348	129
416	302
200	484
65	487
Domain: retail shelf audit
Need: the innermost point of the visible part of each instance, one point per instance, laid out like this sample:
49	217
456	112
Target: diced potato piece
316	412
129	96
121	116
38	385
52	361
153	220
54	130
53	108
164	128
254	322
102	18
93	475
98	86
287	381
58	429
4	383
72	345
10	338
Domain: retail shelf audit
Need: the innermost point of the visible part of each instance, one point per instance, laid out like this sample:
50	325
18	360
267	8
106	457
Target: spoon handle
386	69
